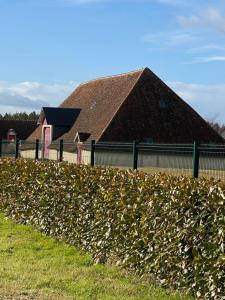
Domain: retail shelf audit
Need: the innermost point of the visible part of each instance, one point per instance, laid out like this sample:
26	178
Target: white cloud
211	18
20	101
207	100
212	59
193	44
206	48
27	96
169	39
207	59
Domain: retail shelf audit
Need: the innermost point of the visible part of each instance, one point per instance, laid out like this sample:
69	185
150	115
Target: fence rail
195	159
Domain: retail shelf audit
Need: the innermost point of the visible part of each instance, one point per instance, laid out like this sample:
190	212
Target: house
11	130
122	108
16	129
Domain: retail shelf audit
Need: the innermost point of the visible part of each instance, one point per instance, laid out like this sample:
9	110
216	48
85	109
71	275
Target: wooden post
92	153
195	160
61	150
135	155
0	148
37	149
17	149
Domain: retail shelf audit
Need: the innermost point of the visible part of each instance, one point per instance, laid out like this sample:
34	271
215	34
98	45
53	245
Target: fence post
195	160
17	149
1	148
61	150
135	155
37	149
92	153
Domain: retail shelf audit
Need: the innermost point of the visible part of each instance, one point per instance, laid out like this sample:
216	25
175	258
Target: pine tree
20	116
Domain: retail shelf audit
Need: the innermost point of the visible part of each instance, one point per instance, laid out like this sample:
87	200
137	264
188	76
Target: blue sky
48	47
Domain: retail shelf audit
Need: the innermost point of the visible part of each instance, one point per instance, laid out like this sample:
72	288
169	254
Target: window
149	140
163	103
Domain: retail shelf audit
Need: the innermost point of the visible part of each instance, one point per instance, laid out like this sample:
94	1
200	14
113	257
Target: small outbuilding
16	129
11	130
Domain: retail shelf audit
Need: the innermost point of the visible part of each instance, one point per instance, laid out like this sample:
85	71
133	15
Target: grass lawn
33	266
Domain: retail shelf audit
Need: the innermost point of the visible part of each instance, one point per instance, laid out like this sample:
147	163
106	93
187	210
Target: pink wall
46	139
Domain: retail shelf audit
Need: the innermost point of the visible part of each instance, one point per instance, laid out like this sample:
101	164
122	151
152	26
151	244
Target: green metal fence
8	148
195	159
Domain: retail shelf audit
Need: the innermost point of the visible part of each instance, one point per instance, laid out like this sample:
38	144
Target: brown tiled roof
134	106
22	128
99	101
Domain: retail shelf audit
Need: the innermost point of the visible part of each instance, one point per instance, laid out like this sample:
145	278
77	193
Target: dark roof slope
155	112
99	100
21	127
59	116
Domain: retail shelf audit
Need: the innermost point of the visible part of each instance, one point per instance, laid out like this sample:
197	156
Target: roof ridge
113	76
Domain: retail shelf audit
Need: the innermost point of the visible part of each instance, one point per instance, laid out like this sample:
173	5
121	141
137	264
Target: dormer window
163	103
81	137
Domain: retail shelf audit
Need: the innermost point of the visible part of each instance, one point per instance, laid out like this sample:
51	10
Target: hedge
168	228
